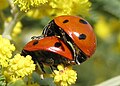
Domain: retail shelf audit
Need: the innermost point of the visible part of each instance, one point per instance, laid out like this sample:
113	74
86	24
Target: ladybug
50	51
75	32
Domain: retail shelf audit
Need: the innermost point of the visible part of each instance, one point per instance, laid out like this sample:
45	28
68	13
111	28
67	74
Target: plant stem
9	28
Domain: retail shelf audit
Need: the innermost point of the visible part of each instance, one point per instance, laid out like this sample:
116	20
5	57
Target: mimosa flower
17	67
25	5
61	7
6	49
21	66
65	76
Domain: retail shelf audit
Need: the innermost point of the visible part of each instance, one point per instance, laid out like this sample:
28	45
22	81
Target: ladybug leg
51	69
42	67
49	61
33	37
63	35
39	37
81	57
36	37
76	60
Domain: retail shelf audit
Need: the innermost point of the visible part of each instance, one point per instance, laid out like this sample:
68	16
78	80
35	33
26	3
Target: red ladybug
75	31
49	50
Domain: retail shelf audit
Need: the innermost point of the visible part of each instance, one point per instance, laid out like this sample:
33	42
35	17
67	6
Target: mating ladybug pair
65	40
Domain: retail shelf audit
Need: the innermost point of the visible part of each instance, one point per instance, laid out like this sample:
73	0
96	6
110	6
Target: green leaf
17	83
2	80
42	82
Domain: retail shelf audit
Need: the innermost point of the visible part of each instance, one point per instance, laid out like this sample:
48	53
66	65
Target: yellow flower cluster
61	7
21	66
25	5
3	4
65	76
16	67
6	49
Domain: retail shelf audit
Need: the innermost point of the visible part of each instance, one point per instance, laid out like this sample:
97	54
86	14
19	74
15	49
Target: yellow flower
26	5
102	28
65	76
81	7
61	7
20	66
3	4
6	49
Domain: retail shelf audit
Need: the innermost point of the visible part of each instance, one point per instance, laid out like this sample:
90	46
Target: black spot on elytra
82	21
35	42
65	21
82	36
57	44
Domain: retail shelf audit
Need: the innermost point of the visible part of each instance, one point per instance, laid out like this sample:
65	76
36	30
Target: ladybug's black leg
63	35
76	60
81	57
42	67
36	37
51	69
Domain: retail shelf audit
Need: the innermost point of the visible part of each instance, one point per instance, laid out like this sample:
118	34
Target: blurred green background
105	63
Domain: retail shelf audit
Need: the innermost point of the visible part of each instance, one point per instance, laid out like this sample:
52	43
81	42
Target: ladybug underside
48	58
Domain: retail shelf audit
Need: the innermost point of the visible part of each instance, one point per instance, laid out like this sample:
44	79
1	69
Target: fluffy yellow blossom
61	7
6	49
65	76
3	4
21	66
81	7
25	5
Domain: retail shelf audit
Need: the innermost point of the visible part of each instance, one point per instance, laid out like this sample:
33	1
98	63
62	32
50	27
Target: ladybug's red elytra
48	50
75	31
